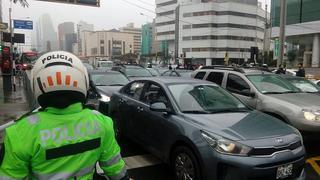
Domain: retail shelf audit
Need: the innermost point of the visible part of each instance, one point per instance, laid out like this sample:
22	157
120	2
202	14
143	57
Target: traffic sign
3	26
22	24
77	2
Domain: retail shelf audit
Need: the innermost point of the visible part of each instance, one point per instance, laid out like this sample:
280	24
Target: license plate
284	171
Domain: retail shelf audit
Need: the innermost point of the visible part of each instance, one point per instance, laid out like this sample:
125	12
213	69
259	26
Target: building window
165	33
102	50
101	41
186	26
221	13
212	37
165	13
165	23
167	3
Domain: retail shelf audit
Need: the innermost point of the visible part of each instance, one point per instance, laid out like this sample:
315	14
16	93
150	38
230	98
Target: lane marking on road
314	164
140	161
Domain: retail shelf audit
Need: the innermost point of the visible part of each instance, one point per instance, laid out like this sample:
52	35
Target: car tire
116	126
185	165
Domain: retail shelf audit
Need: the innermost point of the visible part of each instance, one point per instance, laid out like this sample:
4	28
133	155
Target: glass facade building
146	44
298	11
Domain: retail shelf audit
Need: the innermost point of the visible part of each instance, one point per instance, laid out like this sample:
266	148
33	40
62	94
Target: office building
302	31
108	44
136	32
210	32
66	29
46	36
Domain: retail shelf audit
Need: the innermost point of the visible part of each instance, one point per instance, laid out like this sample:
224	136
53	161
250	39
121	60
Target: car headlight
226	146
311	115
104	98
298	133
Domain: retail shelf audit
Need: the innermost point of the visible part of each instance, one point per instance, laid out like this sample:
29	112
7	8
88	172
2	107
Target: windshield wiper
274	93
116	85
196	112
285	92
230	110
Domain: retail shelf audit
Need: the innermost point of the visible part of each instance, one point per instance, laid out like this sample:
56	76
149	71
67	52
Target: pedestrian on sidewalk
64	140
301	72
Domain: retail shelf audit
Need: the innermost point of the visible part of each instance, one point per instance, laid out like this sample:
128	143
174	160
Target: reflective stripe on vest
64	175
112	161
119	176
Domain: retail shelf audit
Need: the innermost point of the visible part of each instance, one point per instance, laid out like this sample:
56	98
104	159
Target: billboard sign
22	24
17	38
77	2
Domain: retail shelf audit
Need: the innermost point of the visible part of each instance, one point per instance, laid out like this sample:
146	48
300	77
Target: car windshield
153	72
304	85
185	74
272	84
106	64
197	98
137	72
88	66
109	79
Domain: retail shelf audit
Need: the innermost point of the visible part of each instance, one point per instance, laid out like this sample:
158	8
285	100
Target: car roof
129	66
103	72
171	80
245	71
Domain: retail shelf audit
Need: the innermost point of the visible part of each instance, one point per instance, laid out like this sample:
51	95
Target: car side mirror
248	93
158	107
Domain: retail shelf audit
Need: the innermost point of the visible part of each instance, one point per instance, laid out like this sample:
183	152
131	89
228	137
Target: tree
23	3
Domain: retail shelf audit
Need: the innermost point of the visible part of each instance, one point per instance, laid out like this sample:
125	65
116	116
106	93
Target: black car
204	132
132	71
178	73
102	85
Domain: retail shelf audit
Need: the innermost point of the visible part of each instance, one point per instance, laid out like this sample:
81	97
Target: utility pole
265	35
283	17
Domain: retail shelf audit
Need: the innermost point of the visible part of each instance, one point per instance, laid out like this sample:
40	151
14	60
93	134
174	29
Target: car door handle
140	109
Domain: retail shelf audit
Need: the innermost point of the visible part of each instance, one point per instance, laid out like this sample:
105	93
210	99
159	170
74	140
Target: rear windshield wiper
196	112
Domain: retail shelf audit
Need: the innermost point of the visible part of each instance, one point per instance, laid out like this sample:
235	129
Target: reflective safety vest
61	144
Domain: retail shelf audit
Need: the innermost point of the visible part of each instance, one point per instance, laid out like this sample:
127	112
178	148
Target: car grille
270	151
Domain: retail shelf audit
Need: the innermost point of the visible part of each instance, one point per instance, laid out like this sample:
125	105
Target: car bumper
252	168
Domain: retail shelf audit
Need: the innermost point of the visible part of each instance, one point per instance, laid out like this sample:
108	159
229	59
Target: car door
153	125
240	88
128	104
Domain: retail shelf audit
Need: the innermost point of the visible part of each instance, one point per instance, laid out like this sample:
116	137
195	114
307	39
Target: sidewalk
12	104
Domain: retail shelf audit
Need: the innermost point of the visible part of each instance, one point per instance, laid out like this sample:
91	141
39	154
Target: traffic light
0	48
6	64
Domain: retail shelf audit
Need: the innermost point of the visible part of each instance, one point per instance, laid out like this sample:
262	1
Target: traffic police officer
63	140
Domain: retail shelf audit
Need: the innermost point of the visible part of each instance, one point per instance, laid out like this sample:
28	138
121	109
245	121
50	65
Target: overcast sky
111	14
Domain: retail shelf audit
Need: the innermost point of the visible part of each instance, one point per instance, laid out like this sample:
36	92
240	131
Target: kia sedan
206	133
